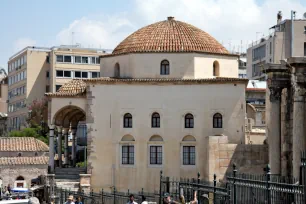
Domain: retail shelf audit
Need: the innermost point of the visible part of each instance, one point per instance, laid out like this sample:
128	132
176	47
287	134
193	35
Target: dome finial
170	18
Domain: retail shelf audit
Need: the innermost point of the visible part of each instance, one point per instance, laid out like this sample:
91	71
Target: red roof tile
170	36
23	144
23	160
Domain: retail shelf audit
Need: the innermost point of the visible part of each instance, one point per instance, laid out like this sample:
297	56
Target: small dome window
216	68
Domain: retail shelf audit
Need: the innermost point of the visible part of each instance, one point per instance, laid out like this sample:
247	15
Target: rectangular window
47	89
67	58
98	60
188	155
128	154
270	48
156	155
77	59
304	48
93	60
25	74
21	62
59	58
95	74
48	59
47	74
85	60
67	74
77	74
25	58
57	87
59	73
85	75
259	52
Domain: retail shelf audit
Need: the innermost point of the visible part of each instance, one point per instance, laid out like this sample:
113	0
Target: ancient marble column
51	149
59	146
73	131
274	130
298	128
66	131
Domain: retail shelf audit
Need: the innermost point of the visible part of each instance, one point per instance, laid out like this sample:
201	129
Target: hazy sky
103	24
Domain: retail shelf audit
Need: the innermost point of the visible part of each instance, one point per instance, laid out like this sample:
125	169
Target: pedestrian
167	199
79	200
70	200
131	200
33	200
144	200
9	188
194	201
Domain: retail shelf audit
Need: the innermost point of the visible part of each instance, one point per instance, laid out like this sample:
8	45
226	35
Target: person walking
144	200
33	200
70	200
79	200
131	200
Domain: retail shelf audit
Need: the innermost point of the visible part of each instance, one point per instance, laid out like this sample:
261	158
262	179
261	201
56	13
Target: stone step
66	176
70	169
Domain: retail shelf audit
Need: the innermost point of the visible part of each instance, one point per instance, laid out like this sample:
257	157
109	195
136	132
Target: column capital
65	130
51	127
275	94
59	129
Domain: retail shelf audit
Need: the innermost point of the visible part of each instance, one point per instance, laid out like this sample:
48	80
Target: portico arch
67	115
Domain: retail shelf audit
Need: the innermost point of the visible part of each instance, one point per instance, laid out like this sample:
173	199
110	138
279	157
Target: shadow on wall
249	158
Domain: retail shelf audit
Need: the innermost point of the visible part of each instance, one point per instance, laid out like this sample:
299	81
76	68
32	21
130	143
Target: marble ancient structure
286	115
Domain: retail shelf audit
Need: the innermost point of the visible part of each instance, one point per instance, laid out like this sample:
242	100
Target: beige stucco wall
182	65
57	105
172	102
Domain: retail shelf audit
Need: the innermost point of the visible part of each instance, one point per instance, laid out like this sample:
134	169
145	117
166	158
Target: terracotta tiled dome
170	36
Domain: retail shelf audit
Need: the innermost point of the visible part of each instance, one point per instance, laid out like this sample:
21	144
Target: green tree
30	132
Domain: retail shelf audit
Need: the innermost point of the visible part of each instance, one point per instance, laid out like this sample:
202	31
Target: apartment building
283	42
36	70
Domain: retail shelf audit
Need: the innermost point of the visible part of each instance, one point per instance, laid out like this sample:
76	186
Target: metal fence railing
114	197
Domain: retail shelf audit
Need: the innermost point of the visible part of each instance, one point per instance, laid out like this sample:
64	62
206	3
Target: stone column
298	128
59	146
274	130
66	131
51	149
73	131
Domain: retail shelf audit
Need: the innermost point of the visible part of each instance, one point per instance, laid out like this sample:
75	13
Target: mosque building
166	93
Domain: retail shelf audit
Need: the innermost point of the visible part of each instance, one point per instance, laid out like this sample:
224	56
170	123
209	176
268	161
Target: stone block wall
222	155
8	174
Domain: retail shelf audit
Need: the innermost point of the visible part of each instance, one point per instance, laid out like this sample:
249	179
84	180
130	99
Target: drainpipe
292	32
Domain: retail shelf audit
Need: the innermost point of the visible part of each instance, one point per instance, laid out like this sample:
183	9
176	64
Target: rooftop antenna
72	36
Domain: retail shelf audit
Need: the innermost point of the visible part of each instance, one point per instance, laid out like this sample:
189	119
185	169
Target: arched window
117	71
127	120
155	120
164	67
19	178
189	122
217	120
216	69
19	154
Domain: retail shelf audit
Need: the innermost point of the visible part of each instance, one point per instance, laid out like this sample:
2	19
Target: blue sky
101	23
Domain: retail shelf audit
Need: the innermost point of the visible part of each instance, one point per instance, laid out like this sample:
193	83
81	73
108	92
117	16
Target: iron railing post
215	185
198	186
234	184
102	196
268	172
160	186
114	195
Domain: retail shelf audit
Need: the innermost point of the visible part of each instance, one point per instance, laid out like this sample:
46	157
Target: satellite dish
304	15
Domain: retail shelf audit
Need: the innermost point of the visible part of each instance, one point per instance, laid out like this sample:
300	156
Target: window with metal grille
188	155
156	155
164	67
128	154
217	120
189	122
127	120
155	120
